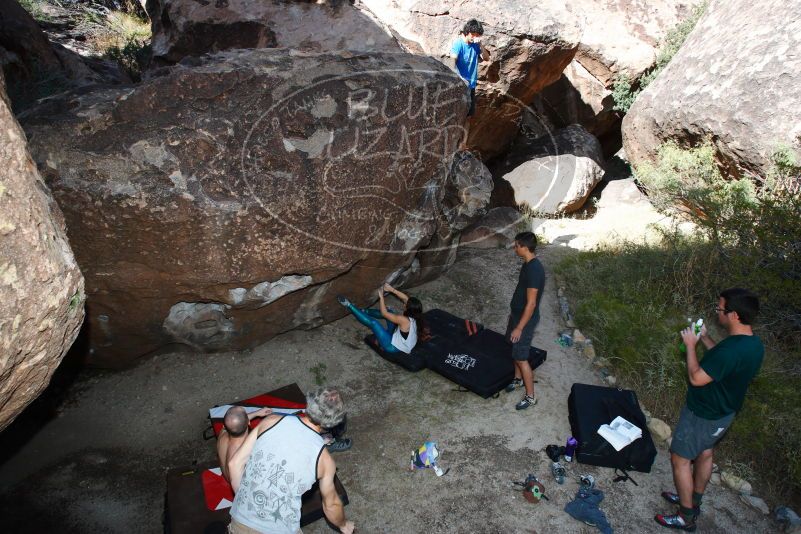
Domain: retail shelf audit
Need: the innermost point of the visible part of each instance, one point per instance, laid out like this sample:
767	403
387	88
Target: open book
620	433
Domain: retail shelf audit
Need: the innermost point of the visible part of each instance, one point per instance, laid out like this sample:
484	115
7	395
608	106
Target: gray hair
324	407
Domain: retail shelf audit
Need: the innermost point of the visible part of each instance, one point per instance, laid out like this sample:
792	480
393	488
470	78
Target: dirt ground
98	464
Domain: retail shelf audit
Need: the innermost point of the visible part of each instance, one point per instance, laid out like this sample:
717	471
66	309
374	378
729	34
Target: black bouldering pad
481	363
591	406
463	351
440	329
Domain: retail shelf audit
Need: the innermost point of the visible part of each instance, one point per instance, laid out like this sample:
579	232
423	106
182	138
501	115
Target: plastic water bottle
570	448
696	326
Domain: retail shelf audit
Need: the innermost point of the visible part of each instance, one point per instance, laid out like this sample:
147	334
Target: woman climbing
400	333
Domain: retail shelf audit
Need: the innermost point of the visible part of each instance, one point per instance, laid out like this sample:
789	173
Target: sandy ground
99	464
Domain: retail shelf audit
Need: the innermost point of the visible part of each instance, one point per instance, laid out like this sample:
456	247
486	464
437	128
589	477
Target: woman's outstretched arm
400	320
400	294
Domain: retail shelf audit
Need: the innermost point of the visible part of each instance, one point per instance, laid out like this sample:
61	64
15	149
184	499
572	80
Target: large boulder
622	37
735	81
219	204
41	287
184	28
618	39
552	174
529	46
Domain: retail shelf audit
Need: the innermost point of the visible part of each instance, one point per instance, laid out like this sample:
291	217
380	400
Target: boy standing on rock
715	394
466	51
524	316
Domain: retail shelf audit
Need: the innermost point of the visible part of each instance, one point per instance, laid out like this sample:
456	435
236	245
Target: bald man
235	430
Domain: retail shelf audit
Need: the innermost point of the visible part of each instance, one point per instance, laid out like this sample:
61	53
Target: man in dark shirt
524	316
716	391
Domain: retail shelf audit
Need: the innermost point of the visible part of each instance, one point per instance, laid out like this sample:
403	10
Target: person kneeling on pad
236	424
400	333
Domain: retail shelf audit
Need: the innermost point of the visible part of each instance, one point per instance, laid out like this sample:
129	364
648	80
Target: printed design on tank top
274	501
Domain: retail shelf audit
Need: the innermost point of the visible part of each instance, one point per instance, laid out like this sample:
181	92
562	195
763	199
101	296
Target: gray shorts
521	349
695	434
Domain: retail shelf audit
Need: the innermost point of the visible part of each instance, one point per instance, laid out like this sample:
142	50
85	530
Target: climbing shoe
677	522
559	472
513	385
339	445
673	498
342	300
525	402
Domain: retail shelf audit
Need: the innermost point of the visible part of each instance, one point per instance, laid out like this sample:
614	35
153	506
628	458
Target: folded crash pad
591	406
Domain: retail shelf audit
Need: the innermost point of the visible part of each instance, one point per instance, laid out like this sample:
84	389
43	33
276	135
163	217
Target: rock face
619	38
529	47
735	80
464	200
41	287
497	229
194	27
551	174
220	204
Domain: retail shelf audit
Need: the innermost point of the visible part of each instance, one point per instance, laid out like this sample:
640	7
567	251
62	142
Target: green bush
133	55
126	40
36	9
633	299
625	92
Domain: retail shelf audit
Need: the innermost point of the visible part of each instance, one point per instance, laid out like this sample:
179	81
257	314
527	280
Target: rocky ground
98	463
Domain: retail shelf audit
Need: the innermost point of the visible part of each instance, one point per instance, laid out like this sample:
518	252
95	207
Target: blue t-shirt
467	60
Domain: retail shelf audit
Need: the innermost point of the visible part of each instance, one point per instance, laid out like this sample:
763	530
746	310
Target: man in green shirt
716	391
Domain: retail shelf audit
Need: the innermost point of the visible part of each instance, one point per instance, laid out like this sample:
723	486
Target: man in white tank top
278	462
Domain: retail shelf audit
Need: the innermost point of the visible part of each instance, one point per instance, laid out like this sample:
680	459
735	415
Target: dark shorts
522	348
695	434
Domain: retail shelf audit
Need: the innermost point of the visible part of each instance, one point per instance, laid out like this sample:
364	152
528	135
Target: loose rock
736	483
660	430
756	503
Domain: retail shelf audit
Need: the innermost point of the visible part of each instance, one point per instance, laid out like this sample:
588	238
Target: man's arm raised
236	465
332	504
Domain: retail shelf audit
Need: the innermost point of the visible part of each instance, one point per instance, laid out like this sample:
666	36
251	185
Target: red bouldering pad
198	498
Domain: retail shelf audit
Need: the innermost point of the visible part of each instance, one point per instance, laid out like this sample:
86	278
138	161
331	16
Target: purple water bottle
570	448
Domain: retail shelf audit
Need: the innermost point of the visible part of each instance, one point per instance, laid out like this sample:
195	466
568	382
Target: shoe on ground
525	402
673	498
340	445
342	300
559	472
513	385
676	522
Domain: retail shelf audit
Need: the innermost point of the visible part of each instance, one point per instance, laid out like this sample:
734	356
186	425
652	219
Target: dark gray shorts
521	349
695	434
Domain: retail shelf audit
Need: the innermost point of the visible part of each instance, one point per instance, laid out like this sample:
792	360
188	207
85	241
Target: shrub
133	55
633	299
125	38
36	9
